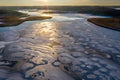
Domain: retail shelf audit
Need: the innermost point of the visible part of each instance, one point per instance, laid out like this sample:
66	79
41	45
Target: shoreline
110	23
14	18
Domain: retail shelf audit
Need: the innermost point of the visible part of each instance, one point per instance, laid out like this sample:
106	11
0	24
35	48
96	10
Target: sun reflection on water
46	15
50	32
47	34
48	29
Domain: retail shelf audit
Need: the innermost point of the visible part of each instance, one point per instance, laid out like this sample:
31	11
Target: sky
58	2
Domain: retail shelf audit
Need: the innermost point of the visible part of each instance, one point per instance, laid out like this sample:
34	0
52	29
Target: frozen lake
66	47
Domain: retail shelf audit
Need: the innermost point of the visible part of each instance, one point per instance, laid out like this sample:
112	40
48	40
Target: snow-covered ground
66	47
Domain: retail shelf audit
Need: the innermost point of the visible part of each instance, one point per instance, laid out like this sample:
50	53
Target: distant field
112	23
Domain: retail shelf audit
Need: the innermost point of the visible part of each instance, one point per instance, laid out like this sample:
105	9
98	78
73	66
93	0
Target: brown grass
112	23
15	20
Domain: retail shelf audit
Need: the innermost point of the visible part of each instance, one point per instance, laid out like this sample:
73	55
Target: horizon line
51	5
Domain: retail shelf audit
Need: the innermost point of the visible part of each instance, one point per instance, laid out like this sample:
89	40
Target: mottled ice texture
59	50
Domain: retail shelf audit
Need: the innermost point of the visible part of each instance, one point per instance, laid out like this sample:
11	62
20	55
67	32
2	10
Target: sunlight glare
48	29
46	15
44	0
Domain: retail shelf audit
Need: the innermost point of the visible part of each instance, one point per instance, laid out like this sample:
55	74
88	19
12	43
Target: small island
111	23
13	18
